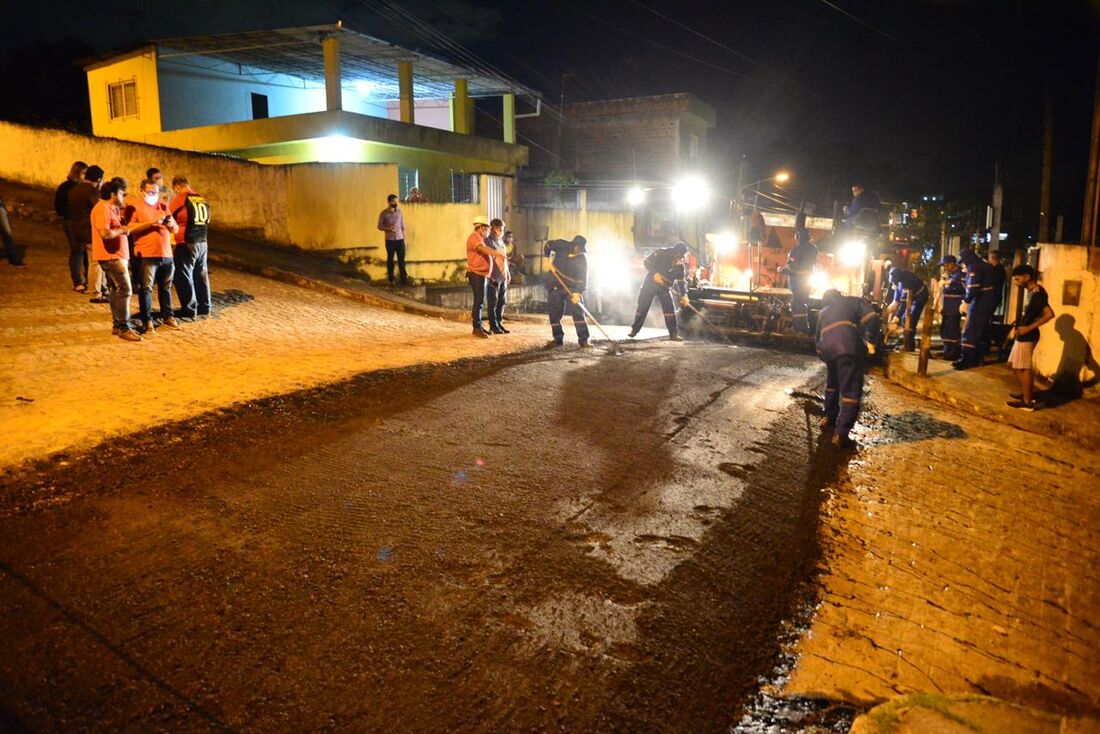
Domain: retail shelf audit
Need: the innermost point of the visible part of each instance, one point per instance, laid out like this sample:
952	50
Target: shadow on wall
1076	358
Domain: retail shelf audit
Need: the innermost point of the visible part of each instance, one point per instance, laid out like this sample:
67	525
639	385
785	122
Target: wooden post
334	98
405	86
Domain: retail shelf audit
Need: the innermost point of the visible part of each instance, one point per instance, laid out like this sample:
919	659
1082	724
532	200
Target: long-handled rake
613	346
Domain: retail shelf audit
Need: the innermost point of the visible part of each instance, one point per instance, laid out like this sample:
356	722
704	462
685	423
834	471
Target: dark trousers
951	335
649	291
910	319
156	271
496	298
78	259
800	301
558	303
843	392
396	248
478	284
975	336
192	279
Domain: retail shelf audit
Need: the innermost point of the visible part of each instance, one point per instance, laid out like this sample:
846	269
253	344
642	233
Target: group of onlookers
124	242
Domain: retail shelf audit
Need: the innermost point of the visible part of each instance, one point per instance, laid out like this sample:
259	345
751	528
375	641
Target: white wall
428	112
195	91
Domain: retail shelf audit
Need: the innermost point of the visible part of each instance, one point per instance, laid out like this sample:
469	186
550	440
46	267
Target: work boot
170	323
481	334
827	421
147	328
497	330
633	333
584	344
503	330
129	335
553	344
675	338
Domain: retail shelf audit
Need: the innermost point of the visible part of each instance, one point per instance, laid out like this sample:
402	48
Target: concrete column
509	118
334	99
405	81
461	108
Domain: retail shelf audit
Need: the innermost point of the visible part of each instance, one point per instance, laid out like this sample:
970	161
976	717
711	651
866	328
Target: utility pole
1048	158
561	115
998	203
1092	191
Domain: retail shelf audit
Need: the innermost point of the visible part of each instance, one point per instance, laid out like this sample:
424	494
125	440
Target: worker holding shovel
565	287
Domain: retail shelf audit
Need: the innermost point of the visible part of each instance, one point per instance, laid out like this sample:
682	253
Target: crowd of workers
123	243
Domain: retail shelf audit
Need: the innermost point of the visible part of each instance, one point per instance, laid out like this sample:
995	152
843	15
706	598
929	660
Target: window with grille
464	188
407	178
122	99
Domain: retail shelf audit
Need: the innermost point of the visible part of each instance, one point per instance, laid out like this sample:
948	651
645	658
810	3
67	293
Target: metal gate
494	197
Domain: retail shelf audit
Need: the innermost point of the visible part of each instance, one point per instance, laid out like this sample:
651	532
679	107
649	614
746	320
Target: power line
705	37
661	46
863	22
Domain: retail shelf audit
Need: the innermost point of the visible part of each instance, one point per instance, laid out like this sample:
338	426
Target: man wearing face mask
155	249
392	222
155	175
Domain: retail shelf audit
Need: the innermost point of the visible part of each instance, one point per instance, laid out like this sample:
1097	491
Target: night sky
917	97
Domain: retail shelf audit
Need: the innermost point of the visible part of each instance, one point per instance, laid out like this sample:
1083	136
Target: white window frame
129	107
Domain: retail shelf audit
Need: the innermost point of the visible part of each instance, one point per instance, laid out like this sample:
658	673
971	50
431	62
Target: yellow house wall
141	67
246	197
336	205
605	230
1059	349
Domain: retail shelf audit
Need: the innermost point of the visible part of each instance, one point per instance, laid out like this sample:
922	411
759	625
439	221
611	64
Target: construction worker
910	294
801	263
565	287
843	336
981	302
951	293
664	271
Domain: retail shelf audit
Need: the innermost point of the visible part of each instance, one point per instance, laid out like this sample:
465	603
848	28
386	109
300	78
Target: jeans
117	273
97	279
78	262
192	278
156	270
478	285
5	234
497	297
396	248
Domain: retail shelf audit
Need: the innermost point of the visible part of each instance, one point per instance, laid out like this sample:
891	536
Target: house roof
363	59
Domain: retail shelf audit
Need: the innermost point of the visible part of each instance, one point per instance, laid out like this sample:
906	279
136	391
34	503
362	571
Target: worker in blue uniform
911	295
801	263
981	302
664	272
565	287
951	293
842	343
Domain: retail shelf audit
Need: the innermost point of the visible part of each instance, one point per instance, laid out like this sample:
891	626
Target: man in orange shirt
154	247
111	250
479	266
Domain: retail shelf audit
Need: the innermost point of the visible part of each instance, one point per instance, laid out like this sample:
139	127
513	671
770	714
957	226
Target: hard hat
481	221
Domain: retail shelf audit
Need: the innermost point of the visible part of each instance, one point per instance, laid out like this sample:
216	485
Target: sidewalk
66	384
984	392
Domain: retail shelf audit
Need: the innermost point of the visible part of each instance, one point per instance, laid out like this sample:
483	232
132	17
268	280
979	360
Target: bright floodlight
636	196
819	282
690	193
853	253
336	149
725	242
782	177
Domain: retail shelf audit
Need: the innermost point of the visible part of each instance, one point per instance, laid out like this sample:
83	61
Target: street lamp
690	193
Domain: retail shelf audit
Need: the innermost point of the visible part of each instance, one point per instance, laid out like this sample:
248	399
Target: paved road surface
570	540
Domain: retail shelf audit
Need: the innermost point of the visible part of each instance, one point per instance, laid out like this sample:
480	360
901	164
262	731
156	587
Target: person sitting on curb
1037	313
